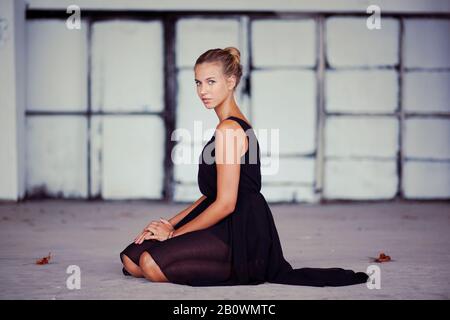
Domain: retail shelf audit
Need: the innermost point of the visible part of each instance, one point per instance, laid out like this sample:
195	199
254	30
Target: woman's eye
210	82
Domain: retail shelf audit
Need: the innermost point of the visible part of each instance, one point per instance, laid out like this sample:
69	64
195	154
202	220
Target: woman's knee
132	252
131	267
150	269
146	264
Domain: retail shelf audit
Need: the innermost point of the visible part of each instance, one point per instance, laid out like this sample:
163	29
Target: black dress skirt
243	248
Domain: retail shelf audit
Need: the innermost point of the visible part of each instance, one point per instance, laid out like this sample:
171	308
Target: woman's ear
231	82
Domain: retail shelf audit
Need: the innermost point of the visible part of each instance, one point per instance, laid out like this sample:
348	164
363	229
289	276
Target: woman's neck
227	109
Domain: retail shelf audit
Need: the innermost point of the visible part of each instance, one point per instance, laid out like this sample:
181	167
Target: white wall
392	6
12	99
426	138
372	110
125	153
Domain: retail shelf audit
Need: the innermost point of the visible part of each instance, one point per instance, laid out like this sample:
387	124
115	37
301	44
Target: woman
228	236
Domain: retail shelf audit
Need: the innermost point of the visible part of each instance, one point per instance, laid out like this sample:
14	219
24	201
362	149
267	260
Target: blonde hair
229	57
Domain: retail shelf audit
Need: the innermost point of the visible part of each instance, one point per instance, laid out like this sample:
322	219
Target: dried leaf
44	260
383	258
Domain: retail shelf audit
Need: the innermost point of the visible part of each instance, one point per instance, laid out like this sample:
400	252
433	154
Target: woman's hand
145	235
140	237
159	230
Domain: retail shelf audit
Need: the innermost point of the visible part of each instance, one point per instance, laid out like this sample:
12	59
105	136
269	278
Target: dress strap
243	123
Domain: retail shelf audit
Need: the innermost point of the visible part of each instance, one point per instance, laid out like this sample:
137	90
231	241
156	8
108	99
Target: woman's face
212	85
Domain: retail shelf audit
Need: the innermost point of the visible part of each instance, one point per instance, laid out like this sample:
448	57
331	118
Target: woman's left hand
146	235
158	230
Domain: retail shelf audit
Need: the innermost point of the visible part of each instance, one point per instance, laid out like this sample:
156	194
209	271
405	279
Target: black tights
193	256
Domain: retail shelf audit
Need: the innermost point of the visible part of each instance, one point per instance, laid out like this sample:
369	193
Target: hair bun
234	52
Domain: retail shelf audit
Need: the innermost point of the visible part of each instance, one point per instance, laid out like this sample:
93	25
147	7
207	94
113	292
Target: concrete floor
91	235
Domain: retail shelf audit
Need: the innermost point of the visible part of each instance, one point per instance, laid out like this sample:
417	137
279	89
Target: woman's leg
195	270
130	257
150	269
131	267
192	257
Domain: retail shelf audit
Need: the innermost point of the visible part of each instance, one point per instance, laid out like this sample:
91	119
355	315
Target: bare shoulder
228	124
229	128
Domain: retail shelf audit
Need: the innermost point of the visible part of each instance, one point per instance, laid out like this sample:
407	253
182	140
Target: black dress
241	249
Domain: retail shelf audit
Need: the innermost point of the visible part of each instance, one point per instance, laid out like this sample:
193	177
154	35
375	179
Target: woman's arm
228	154
215	212
177	218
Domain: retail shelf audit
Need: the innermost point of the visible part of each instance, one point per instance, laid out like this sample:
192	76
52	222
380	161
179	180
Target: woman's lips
206	100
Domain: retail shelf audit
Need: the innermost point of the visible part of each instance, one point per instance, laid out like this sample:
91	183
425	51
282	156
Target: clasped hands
160	230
